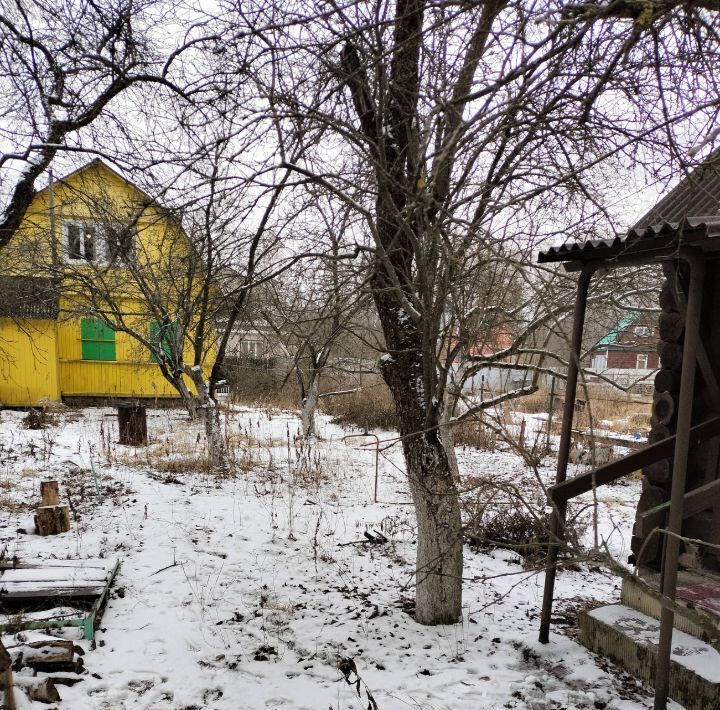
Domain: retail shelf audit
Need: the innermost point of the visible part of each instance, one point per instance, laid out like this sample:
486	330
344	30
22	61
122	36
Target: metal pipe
557	522
679	471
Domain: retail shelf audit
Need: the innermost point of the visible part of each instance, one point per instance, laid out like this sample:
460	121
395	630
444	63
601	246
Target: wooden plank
107	565
694	502
64	575
35	590
587	436
572	487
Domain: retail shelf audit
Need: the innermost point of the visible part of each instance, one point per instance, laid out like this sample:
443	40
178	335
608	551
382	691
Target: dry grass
475	435
372	407
270	399
606	408
533	403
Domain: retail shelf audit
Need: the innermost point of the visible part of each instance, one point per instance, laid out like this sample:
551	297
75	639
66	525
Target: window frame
258	349
104	255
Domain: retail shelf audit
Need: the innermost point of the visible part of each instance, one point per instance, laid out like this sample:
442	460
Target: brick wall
627	359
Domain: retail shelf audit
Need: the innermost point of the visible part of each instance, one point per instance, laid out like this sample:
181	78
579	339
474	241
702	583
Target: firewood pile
35	664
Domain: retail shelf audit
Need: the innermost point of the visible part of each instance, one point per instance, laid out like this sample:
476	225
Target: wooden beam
572	487
694	501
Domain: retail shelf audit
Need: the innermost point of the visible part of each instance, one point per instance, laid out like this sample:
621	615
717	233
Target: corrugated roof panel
28	298
666	234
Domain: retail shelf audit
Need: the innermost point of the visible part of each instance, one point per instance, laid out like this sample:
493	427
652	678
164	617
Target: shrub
516	528
476	435
372	407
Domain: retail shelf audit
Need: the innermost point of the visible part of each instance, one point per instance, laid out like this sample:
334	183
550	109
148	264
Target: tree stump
132	421
50	493
52	519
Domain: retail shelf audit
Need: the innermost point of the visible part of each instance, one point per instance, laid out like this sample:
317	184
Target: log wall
703	460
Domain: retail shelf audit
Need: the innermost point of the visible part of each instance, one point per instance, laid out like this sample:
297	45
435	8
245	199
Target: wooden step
697	594
630	638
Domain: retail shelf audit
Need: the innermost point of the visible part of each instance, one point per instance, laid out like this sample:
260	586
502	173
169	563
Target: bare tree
452	128
68	66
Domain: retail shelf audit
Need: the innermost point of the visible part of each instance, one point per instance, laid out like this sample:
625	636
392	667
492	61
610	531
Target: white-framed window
102	243
642	361
642	331
252	348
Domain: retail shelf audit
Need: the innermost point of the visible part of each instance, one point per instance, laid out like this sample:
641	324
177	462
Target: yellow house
81	285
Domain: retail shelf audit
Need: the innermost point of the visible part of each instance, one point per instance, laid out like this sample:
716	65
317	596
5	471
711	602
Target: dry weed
372	407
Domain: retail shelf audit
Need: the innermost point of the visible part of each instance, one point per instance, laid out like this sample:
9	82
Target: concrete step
698	595
630	638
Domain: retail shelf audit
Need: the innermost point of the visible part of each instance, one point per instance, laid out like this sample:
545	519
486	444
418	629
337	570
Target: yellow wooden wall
28	362
132	375
95	193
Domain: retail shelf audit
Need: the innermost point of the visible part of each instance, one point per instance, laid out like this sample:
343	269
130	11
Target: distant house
54	342
628	353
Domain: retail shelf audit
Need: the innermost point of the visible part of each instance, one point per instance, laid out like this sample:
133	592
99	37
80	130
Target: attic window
81	242
642	331
98	243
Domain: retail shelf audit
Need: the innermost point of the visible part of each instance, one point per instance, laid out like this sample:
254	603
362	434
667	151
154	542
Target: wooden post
679	474
557	522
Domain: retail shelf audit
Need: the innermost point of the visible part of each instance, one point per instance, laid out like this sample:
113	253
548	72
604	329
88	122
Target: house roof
28	298
688	214
625	322
702	231
97	162
696	194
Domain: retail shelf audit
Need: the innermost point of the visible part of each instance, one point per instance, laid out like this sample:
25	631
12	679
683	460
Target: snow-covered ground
255	590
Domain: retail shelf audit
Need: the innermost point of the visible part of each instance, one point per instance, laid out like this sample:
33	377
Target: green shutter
98	340
166	335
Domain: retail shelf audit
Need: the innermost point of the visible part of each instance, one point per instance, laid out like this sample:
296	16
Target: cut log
658	432
663	407
50	493
671	326
41	689
52	519
670	355
658	473
48	656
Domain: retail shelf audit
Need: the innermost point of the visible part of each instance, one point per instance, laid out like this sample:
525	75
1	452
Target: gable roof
689	213
624	323
98	163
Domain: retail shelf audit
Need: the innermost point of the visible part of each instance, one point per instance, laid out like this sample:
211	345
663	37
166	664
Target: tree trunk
447	432
439	562
208	413
309	405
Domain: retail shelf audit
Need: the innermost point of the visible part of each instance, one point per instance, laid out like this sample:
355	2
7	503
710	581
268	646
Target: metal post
558	515
679	473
